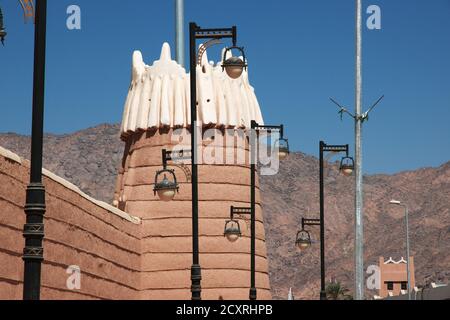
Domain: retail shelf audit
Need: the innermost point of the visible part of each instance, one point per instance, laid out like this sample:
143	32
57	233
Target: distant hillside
89	158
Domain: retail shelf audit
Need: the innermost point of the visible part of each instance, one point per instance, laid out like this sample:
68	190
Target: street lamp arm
184	154
256	126
239	210
310	222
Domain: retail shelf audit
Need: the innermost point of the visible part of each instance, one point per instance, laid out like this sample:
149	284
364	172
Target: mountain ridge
89	158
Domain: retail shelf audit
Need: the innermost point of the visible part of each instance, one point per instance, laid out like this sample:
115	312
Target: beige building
394	278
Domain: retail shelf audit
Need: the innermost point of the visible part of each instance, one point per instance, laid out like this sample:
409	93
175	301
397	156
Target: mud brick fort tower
141	247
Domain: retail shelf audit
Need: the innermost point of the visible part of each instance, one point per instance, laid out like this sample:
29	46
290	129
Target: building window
390	285
404	285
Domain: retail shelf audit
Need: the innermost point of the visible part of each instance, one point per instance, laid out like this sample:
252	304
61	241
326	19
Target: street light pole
195	32
408	272
196	276
33	231
255	127
253	160
232	229
359	117
323	147
323	294
359	237
179	31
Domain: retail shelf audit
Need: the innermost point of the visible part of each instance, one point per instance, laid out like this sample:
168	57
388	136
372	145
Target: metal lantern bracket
310	222
229	223
168	155
203	47
345	164
160	172
216	33
285	141
269	128
335	148
241	49
258	127
214	36
240	211
303	235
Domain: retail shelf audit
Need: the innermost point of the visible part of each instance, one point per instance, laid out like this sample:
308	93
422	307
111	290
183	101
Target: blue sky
301	52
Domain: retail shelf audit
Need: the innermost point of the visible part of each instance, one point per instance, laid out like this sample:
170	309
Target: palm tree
336	291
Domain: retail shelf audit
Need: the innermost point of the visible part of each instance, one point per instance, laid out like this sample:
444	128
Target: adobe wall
100	239
167	228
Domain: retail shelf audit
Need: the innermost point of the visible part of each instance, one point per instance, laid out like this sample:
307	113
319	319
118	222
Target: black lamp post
33	230
283	150
346	168
234	69
232	229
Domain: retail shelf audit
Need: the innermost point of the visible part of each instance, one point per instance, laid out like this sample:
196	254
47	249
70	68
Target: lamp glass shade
232	230
283	148
282	153
303	244
232	237
234	67
303	240
166	194
347	170
166	189
347	166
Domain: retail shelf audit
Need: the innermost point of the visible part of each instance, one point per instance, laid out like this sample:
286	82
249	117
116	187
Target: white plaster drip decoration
402	260
159	96
390	260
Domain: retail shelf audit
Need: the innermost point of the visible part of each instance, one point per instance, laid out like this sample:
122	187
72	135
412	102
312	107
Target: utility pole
179	31
359	117
359	236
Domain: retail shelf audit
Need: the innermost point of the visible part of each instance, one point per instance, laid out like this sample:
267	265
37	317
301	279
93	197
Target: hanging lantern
283	148
347	166
234	66
232	230
2	28
166	189
303	240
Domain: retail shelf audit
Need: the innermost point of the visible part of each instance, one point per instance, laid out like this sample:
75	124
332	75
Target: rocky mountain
89	159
